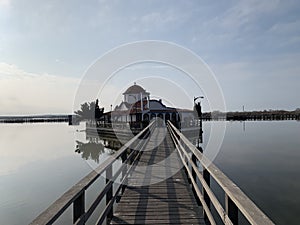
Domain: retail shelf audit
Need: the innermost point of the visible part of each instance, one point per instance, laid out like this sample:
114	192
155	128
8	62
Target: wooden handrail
235	198
198	192
77	192
212	196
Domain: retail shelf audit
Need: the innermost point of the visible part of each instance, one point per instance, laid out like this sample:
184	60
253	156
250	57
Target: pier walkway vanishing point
158	191
163	179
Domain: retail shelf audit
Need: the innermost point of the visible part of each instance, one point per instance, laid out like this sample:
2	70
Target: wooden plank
169	201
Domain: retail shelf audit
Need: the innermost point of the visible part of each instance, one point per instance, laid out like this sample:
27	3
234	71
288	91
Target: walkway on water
156	187
158	190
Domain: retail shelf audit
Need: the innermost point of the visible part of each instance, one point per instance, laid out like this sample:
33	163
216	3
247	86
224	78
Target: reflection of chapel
137	106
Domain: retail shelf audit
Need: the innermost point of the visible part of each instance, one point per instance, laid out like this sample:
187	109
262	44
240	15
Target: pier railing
235	199
76	195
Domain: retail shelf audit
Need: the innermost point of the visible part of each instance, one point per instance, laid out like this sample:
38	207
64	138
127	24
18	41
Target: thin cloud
5	3
12	71
23	92
242	39
246	12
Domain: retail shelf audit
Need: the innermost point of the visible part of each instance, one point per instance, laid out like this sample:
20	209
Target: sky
46	47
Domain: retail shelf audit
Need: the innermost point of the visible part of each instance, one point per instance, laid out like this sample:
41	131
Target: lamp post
195	98
199	112
198	106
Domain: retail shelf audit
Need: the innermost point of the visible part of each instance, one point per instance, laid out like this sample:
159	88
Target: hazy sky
252	46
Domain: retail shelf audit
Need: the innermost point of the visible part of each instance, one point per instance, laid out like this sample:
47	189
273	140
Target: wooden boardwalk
158	190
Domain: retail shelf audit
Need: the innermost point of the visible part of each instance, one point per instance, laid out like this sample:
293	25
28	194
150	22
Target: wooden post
231	210
109	193
185	170
79	207
206	177
194	160
194	176
124	157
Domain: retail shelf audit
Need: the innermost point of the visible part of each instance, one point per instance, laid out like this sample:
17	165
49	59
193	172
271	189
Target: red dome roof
135	89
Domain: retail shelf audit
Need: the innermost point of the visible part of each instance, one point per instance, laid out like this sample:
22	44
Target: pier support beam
231	210
194	159
78	207
109	194
206	177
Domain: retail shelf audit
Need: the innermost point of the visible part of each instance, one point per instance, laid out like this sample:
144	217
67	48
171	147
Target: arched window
153	116
167	117
146	117
174	117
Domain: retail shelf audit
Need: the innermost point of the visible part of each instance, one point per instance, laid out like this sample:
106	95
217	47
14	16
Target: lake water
38	163
263	159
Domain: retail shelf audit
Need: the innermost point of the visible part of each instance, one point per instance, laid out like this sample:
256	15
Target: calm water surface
263	159
38	163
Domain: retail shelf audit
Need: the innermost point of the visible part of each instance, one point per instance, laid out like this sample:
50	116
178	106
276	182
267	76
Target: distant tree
90	111
98	111
83	112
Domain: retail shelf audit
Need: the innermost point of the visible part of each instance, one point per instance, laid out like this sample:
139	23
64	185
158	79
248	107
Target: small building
137	107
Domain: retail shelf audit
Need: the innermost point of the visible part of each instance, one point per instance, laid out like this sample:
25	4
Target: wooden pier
154	195
164	179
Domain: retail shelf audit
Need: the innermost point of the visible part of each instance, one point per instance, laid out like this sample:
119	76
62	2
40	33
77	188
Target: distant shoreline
206	116
253	115
37	119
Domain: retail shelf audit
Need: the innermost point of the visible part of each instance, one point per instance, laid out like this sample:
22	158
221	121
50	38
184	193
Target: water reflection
90	150
266	153
37	165
96	146
194	135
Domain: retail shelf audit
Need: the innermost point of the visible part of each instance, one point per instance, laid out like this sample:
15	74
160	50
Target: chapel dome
135	89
